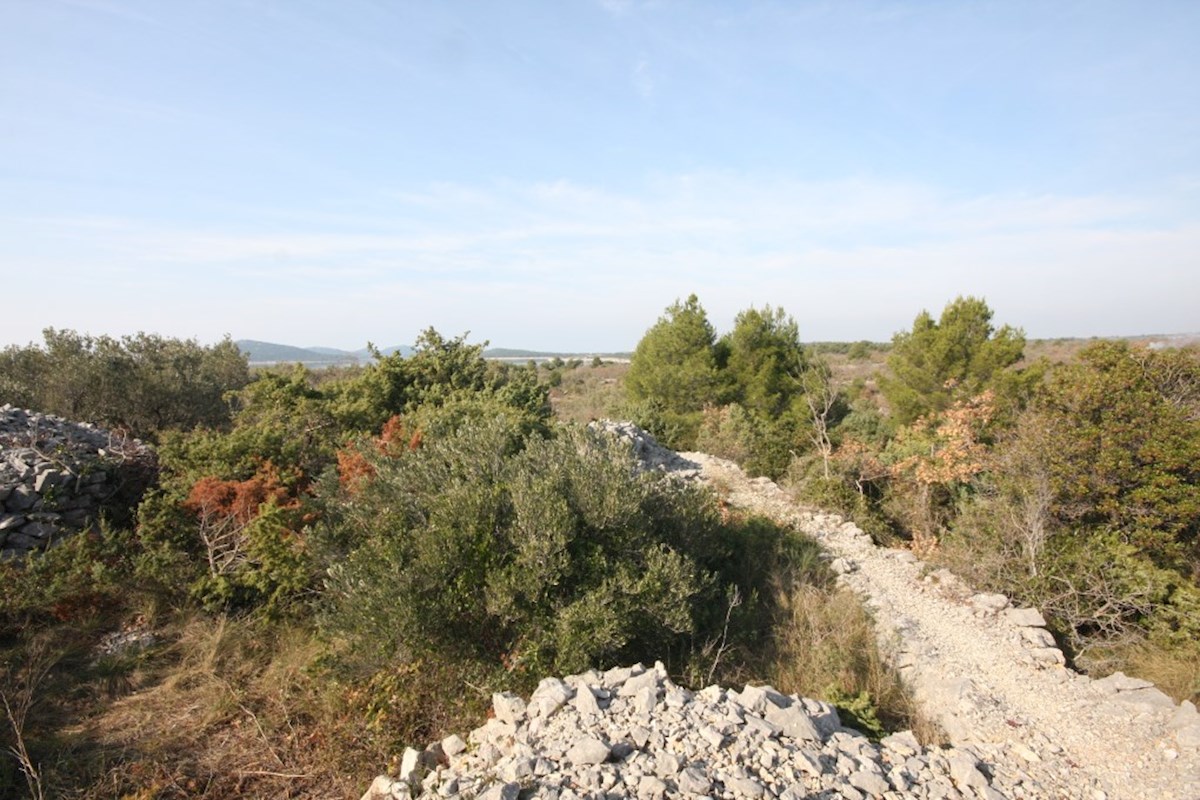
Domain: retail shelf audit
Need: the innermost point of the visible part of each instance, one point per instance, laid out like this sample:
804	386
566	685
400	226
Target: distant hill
272	353
362	353
508	353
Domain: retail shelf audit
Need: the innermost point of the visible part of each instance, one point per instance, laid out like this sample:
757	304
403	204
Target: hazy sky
552	175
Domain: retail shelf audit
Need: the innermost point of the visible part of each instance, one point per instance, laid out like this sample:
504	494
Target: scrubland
334	566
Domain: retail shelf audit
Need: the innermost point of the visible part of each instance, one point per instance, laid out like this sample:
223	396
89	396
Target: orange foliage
953	451
237	500
394	439
353	468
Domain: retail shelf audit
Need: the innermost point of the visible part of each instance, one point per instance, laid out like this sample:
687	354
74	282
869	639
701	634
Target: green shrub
146	383
544	554
479	541
676	366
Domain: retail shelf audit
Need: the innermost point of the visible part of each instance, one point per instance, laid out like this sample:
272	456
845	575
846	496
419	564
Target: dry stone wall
632	733
58	477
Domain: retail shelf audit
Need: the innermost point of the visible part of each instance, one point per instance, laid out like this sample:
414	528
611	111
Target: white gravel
992	684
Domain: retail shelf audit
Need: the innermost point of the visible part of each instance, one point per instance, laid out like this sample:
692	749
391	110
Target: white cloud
545	264
643	79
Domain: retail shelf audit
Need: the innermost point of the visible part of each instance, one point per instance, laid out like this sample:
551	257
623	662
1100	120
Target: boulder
1025	617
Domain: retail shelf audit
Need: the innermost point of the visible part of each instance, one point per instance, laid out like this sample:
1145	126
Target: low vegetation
342	565
1062	474
335	565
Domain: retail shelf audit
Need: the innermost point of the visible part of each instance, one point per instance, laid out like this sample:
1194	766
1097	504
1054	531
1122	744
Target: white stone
452	745
1025	617
794	722
869	782
585	702
693	781
502	791
380	789
1120	682
1038	637
964	770
508	707
588	750
410	766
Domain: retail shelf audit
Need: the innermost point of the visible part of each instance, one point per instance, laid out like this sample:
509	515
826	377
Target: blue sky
552	175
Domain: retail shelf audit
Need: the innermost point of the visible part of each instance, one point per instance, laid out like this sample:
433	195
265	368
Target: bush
543	554
489	544
145	383
676	367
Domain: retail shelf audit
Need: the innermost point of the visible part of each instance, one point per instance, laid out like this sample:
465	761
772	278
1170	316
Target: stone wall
59	477
632	733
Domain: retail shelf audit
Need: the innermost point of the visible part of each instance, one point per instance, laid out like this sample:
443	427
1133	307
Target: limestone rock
964	770
1025	617
794	722
1120	682
989	603
694	781
1038	637
588	750
508	707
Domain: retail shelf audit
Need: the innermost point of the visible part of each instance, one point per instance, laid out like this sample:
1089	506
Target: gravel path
990	674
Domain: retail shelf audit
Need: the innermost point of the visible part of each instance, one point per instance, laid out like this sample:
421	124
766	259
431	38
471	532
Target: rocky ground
58	477
990	674
1021	724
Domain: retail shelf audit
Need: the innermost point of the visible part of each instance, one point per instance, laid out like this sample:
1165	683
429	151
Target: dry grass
587	393
1174	671
227	711
825	647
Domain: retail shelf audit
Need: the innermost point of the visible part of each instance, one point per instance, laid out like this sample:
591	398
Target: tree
932	458
1020	469
675	367
439	372
960	355
1132	461
146	383
764	360
821	398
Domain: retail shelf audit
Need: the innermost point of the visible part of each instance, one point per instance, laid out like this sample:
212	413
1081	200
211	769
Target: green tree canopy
1132	460
959	355
764	360
675	366
439	372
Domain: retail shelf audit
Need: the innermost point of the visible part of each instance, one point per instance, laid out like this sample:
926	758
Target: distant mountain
271	353
403	349
508	352
363	354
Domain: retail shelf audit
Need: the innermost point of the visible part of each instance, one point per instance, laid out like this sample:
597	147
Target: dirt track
990	680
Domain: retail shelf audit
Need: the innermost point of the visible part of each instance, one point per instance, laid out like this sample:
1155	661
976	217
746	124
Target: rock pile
649	453
56	477
632	733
